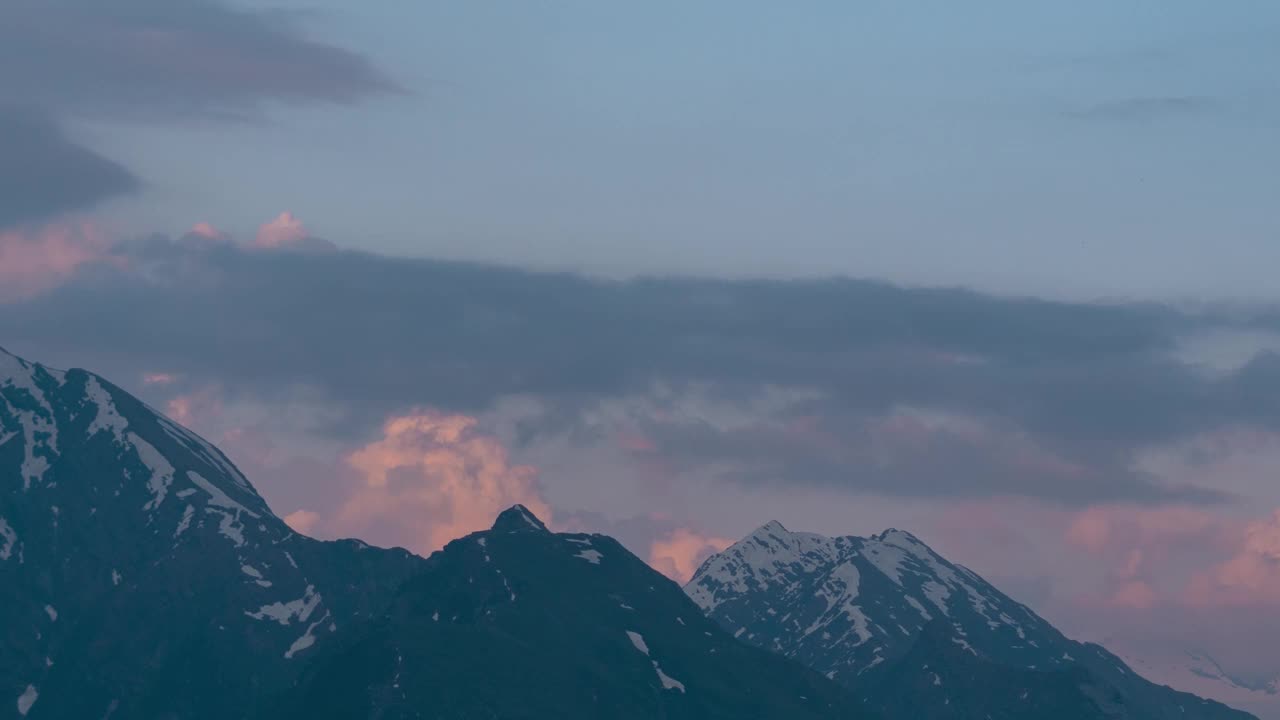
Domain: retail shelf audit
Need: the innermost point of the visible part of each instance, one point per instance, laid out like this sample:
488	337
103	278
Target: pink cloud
1135	594
303	522
32	262
1181	556
158	379
1251	576
1108	527
199	407
1090	530
679	554
208	232
287	232
1144	553
636	442
431	478
284	230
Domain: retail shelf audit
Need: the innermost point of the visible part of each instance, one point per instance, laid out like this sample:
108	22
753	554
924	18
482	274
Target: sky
999	273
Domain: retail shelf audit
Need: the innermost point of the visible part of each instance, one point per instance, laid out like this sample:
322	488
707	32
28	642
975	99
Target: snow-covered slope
140	572
1200	673
851	607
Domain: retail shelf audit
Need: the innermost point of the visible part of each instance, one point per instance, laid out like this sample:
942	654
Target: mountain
857	610
141	575
519	622
1197	671
938	679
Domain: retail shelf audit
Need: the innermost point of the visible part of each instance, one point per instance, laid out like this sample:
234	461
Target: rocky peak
518	519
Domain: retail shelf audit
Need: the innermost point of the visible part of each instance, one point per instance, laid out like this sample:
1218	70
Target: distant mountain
518	622
1198	672
141	575
857	610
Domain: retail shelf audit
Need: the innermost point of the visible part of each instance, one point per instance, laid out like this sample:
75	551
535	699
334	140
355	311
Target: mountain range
887	614
144	577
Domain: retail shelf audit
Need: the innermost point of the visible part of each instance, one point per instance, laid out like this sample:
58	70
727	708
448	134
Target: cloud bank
841	383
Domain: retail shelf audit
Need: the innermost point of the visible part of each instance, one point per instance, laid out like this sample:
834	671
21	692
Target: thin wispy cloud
143	61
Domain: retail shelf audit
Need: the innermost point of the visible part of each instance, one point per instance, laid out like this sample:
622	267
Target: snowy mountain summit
856	609
137	562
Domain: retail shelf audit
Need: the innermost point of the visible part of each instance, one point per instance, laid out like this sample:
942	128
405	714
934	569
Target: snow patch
161	470
638	641
284	612
886	558
27	699
201	448
306	641
185	522
221	504
8	540
919	608
668	682
591	556
51	612
107	418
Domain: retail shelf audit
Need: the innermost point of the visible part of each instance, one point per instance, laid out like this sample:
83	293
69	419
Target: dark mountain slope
518	622
141	575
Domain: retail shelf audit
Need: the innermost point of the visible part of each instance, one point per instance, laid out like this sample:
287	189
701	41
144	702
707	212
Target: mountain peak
771	528
900	538
518	518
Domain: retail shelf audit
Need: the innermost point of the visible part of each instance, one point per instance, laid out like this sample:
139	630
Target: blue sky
1078	149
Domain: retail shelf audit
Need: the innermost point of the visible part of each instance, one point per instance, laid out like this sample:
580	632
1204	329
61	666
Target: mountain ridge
135	559
581	626
850	607
144	576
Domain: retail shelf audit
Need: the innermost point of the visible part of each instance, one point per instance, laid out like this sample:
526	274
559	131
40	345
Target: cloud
200	406
1104	529
207	231
679	554
287	231
1181	556
140	58
844	384
303	522
45	173
37	259
908	451
1147	108
433	477
145	61
1134	594
1251	576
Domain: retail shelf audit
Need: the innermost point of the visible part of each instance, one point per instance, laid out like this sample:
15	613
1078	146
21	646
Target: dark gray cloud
1063	394
145	58
45	173
142	60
